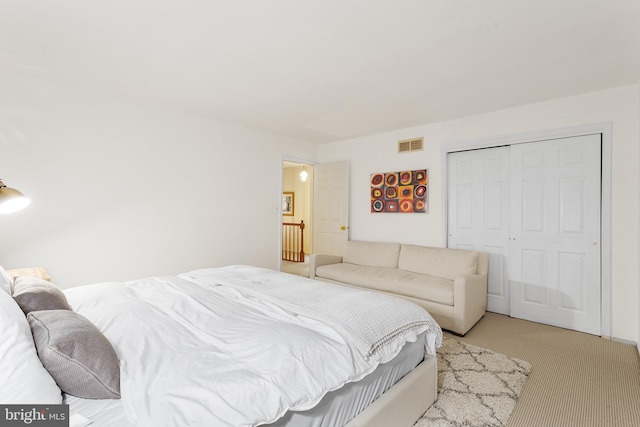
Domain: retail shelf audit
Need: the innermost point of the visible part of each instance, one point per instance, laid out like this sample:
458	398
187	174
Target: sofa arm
316	260
469	301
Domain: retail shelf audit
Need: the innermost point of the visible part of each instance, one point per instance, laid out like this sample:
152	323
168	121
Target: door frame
604	129
286	158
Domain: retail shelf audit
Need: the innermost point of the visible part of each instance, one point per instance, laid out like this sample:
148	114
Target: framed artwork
287	203
403	192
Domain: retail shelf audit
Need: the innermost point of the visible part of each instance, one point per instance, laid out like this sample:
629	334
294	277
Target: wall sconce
303	174
11	200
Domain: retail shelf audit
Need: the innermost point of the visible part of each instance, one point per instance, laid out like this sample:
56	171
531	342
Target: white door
478	217
555	239
331	207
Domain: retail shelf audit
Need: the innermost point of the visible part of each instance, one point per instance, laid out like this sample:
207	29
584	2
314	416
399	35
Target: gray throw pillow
76	354
34	294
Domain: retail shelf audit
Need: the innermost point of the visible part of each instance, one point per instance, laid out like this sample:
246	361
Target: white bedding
200	350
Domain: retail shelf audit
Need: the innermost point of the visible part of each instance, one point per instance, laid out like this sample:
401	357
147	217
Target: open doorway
297	217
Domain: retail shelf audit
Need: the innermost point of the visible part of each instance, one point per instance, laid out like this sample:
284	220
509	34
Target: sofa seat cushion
440	262
401	282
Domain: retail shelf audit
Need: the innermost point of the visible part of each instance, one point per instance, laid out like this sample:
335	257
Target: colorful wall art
404	192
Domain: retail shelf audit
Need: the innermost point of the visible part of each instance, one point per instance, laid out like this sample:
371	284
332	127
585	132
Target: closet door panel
555	232
478	217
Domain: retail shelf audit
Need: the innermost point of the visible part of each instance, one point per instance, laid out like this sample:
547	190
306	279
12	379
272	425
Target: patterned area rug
476	386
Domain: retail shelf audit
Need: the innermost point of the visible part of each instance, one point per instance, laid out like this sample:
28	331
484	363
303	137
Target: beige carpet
476	386
576	379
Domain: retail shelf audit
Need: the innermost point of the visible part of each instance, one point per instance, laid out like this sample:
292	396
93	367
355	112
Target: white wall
122	191
378	153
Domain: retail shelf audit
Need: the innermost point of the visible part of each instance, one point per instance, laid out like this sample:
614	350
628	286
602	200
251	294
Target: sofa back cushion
439	262
372	254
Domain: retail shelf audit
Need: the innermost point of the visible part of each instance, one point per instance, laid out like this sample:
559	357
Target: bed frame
404	403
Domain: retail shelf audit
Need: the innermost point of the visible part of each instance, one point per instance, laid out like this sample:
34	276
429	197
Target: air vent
408	145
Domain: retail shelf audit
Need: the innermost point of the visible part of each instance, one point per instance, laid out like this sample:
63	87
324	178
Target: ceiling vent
408	145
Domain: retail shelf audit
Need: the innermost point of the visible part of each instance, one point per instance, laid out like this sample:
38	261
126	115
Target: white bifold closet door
479	213
550	258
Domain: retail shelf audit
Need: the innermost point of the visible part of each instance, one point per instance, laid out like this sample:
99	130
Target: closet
535	207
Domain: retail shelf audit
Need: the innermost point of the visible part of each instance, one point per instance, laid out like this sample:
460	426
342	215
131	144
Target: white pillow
24	380
5	281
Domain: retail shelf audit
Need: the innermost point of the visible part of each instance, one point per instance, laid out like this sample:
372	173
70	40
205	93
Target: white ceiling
324	70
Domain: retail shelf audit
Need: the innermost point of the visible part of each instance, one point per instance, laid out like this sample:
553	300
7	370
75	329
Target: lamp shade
11	200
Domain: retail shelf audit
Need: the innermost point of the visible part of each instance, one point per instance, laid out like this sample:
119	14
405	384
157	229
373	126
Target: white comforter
207	349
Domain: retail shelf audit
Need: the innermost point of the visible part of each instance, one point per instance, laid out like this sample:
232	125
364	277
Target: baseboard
627	342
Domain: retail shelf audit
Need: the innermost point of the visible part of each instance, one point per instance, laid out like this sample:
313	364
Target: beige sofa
451	284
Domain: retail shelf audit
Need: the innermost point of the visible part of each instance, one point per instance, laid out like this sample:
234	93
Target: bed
244	346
